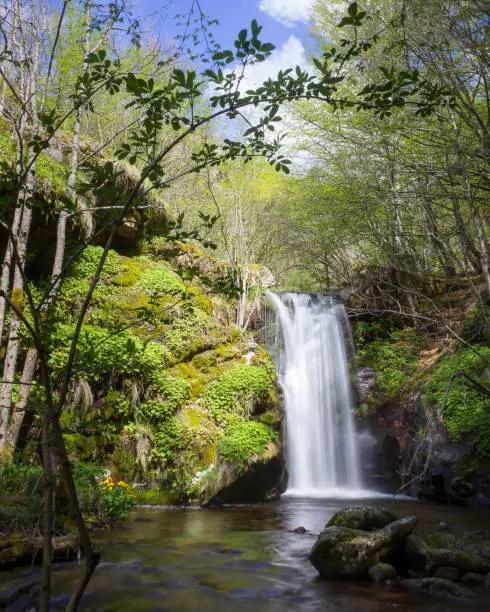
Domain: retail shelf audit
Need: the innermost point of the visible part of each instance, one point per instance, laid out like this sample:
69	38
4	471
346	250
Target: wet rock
381	572
423	557
473	579
438	587
261	481
367	518
443	526
300	530
341	552
448	573
486	584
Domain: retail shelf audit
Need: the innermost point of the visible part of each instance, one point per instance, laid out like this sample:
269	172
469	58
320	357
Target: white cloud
288	12
291	54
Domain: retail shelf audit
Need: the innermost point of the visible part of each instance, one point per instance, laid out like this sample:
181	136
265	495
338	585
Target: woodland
147	202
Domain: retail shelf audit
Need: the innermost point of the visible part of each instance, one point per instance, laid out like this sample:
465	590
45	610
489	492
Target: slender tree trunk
7	268
31	357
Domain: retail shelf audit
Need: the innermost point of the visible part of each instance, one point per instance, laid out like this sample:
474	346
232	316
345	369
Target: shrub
99	495
99	353
466	410
244	441
21	489
236	391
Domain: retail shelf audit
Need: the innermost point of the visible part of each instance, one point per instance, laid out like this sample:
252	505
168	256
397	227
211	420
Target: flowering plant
116	498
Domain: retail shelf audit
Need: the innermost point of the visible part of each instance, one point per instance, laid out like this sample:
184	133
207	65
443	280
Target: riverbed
238	559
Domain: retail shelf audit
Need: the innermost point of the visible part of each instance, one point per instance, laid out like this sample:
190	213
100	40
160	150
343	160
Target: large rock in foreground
341	552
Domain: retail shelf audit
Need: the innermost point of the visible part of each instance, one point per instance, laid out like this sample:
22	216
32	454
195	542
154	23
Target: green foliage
476	325
237	391
161	280
185	329
100	496
99	353
467	411
394	359
174	393
21	489
116	500
244	441
85	265
170	437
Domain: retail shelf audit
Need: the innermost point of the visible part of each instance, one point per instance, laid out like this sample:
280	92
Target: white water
322	451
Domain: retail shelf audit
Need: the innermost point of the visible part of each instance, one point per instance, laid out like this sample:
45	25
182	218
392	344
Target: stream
239	559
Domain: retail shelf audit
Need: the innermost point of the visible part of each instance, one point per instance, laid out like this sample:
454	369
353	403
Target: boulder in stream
437	587
424	554
341	552
366	518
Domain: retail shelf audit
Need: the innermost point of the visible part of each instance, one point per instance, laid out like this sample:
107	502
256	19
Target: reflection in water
240	558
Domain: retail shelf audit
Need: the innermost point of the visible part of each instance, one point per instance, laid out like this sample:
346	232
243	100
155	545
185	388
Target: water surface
238	559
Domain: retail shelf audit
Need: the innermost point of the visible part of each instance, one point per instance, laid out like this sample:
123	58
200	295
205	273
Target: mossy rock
367	518
205	360
196	380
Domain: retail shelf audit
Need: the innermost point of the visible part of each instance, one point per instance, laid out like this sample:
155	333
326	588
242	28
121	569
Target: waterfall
312	360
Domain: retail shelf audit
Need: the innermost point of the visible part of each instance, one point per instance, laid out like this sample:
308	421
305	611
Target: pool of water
238	559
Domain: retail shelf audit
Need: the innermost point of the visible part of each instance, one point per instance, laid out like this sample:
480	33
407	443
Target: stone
366	518
381	572
341	552
486	584
425	558
261	481
473	579
448	573
437	587
300	530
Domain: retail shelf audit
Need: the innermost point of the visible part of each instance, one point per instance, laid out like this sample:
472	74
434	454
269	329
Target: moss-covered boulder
340	552
171	394
366	518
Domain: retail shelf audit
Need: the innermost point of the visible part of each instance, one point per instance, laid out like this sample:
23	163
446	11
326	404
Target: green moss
194	378
129	272
187	334
205	360
161	280
245	441
238	391
441	540
467	411
85	264
154	497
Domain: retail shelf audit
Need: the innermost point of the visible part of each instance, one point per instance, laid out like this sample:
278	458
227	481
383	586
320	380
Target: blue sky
285	24
280	18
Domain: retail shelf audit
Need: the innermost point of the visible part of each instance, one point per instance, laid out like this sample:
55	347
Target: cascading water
311	355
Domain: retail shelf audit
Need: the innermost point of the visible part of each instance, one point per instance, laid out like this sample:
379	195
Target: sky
284	22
